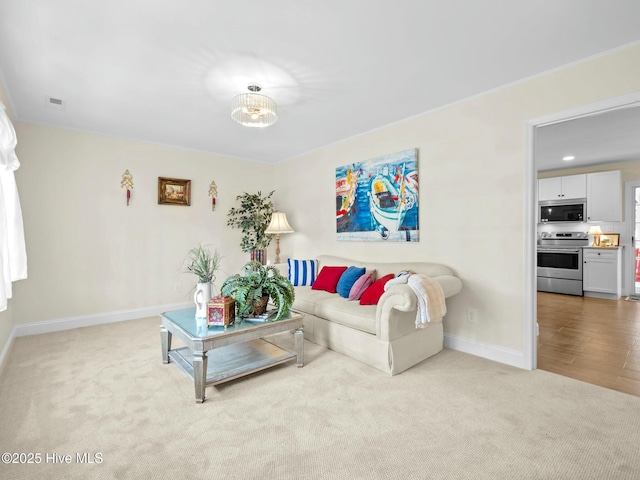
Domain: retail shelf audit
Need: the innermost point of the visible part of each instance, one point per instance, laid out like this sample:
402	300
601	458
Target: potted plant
252	217
204	264
252	290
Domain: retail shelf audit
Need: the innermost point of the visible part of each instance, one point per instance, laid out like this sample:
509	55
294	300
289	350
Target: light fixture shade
595	230
278	224
254	110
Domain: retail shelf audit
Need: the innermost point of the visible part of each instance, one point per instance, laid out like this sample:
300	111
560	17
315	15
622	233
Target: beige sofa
383	335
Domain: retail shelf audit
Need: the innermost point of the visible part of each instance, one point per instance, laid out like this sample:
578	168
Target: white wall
471	166
88	252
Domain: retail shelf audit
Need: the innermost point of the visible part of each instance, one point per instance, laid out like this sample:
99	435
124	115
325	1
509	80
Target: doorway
531	328
632	206
636	242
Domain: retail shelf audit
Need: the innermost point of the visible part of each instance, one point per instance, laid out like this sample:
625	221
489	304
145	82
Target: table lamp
277	226
595	231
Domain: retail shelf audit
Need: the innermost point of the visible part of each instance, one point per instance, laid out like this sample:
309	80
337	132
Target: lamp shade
595	230
278	224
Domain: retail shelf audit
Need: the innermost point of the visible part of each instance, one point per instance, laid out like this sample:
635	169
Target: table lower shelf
233	361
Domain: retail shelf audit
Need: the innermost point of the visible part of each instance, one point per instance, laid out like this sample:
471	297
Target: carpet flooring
101	399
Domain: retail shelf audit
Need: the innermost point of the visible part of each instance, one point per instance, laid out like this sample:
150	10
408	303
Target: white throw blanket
13	254
431	301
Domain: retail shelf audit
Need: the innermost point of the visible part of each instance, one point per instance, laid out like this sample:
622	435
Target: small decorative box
221	311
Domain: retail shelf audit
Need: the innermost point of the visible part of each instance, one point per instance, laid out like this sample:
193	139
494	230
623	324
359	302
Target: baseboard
490	352
36	328
606	296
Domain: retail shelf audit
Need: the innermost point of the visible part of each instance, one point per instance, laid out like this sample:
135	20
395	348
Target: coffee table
214	355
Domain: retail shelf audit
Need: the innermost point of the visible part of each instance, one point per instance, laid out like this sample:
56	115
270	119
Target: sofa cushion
328	279
347	280
302	272
307	299
372	294
362	284
339	310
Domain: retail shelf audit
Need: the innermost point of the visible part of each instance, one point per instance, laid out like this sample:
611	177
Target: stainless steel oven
560	262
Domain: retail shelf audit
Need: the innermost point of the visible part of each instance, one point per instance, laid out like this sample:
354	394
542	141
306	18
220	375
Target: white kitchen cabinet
562	188
604	196
601	272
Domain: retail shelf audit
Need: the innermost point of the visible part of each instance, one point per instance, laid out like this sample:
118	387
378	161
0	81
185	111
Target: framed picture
174	191
377	199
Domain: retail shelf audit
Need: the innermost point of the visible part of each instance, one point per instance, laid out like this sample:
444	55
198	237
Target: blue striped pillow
302	272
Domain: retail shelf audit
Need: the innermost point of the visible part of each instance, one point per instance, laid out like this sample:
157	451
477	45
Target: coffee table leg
299	338
165	341
200	374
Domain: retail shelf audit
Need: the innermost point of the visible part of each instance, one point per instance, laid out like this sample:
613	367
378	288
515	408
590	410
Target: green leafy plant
256	282
203	263
252	218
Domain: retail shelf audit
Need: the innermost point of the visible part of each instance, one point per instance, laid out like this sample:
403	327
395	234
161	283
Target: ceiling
165	71
607	137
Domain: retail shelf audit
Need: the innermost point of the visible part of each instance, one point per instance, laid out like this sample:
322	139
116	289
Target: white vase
201	326
201	298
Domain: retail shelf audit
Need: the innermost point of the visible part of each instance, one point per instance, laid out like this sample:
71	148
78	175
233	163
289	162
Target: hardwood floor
591	339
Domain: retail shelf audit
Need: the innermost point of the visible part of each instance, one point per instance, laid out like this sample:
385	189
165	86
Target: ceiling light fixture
568	158
254	109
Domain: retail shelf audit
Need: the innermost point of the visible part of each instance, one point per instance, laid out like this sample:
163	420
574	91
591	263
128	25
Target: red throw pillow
328	278
372	294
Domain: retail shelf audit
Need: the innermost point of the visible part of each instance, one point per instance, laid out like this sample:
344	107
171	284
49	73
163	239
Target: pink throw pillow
362	284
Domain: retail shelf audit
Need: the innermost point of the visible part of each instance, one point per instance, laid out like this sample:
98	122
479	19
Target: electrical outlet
177	288
472	315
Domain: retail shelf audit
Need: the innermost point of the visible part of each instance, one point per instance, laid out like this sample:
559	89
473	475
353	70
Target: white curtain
13	254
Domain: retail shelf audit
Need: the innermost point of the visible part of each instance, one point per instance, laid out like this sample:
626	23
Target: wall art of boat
389	203
346	188
377	199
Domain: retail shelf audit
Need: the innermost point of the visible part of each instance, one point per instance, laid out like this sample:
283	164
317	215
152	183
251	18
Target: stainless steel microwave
556	211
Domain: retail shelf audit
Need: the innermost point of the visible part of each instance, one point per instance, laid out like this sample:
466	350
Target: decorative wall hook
213	193
127	182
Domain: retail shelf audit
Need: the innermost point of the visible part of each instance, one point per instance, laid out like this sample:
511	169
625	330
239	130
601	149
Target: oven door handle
560	250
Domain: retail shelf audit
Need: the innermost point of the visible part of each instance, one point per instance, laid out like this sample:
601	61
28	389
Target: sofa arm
398	297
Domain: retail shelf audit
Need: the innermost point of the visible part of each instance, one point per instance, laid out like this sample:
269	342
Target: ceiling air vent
55	103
